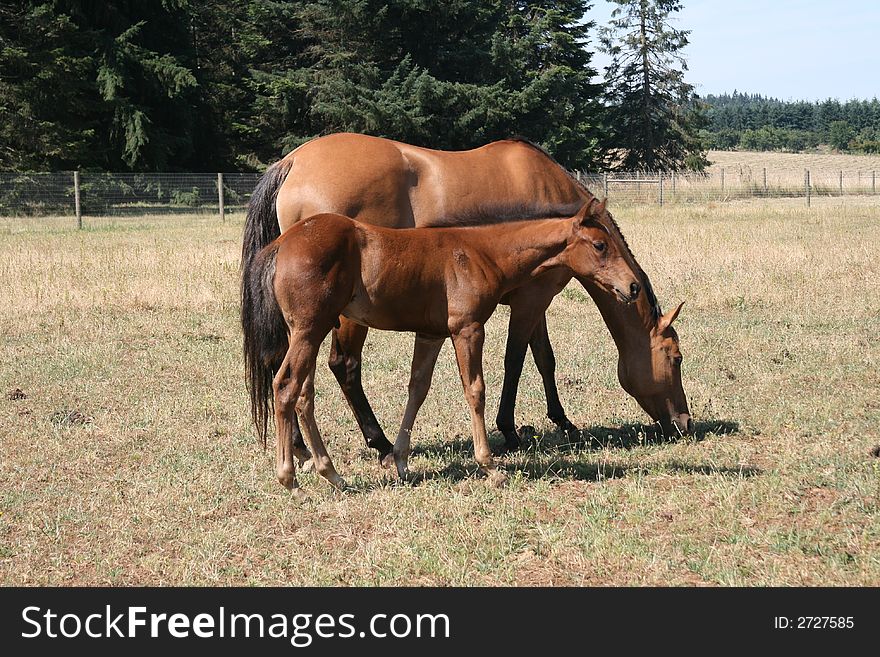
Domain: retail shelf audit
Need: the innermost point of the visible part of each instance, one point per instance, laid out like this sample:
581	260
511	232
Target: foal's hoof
339	485
287	478
299	495
496	479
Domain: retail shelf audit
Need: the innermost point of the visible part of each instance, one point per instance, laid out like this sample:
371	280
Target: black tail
265	333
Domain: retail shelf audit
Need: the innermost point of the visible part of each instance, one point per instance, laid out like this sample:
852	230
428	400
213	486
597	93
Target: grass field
128	456
787	170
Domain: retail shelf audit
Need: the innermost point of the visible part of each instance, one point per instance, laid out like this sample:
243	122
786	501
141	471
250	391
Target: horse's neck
523	250
629	324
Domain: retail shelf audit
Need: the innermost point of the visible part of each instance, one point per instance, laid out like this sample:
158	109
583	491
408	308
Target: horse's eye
599	246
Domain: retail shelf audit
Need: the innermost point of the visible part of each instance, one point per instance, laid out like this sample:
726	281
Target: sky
786	49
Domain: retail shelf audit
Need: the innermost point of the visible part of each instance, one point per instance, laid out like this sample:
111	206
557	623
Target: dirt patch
16	394
71	418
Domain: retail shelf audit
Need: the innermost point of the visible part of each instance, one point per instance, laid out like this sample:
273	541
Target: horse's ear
591	211
669	317
583	213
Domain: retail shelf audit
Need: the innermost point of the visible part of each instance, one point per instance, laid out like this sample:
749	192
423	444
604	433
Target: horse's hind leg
345	363
286	391
305	408
298	445
424	358
542	351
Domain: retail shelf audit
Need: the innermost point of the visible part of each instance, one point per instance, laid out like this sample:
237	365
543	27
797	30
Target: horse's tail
265	332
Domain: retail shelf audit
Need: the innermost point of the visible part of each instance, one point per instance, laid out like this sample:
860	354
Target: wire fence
111	194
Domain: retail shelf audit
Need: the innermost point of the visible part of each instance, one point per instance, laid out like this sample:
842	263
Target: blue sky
788	49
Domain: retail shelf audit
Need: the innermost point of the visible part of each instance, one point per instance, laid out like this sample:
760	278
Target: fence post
807	185
873	182
841	183
673	183
765	181
76	202
722	182
605	184
661	189
220	196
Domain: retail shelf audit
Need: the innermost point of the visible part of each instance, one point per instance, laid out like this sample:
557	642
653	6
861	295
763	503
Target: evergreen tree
654	117
451	75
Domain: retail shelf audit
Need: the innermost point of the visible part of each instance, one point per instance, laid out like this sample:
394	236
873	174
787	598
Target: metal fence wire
103	194
123	193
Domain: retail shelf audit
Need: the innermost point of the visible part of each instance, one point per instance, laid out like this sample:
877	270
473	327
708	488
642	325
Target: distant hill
752	122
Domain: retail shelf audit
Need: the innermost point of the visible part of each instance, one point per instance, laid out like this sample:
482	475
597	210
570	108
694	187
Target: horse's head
595	258
649	369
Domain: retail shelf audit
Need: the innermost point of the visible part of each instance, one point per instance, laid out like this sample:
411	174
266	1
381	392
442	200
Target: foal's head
596	258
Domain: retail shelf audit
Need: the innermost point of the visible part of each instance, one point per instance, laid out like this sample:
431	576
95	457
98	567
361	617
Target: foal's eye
599	246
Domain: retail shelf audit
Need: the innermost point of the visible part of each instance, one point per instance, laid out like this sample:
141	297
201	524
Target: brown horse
387	183
437	283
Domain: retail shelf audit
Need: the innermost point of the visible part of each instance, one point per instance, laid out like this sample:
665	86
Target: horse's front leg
519	329
468	343
542	351
424	359
345	363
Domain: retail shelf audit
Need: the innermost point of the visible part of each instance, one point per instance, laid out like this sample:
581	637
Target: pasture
128	456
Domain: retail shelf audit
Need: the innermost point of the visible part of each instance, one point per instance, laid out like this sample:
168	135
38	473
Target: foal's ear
583	214
591	211
669	317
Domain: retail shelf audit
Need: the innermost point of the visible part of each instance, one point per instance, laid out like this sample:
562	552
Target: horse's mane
646	282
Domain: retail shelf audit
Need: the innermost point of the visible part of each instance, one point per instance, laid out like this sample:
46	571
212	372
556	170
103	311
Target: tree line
207	85
754	122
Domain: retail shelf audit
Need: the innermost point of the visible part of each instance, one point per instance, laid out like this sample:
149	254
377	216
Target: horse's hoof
299	495
496	479
340	485
568	428
287	478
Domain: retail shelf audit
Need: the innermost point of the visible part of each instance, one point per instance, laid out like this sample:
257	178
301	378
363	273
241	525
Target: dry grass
784	169
128	457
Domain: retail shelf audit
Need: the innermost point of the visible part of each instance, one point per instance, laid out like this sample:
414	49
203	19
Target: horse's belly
394	315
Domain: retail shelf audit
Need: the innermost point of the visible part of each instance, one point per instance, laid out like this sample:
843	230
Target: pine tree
654	117
450	75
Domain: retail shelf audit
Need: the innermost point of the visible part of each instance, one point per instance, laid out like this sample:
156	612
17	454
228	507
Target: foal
436	282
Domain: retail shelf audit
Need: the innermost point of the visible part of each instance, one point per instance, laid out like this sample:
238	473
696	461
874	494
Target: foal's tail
265	333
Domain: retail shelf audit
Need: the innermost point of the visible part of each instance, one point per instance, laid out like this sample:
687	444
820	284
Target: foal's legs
286	386
424	358
542	351
305	408
468	345
345	363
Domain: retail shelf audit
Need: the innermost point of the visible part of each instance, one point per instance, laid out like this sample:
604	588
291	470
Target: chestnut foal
436	282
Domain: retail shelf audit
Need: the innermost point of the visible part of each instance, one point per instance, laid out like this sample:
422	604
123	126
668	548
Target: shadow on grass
627	436
548	454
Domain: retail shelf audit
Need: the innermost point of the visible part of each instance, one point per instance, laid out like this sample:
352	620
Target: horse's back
387	183
358	176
